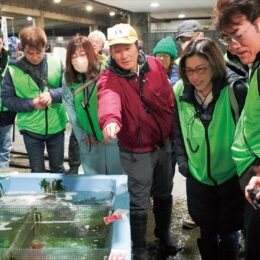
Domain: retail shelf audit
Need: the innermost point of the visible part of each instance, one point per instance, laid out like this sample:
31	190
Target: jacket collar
128	74
188	91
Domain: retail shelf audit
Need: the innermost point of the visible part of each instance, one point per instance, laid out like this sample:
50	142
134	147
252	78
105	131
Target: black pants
251	218
74	157
252	232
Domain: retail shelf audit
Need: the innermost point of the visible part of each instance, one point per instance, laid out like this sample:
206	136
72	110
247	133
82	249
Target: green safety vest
2	107
208	150
246	146
41	121
87	107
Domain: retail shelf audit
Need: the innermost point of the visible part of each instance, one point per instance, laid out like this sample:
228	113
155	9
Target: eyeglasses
199	70
163	56
227	39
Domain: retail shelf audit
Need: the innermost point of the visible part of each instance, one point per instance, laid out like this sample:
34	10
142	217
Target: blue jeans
35	145
5	145
229	240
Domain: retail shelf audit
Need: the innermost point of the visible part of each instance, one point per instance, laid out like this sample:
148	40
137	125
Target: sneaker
188	223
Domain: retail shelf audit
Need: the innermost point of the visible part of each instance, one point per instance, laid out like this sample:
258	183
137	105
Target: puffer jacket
144	112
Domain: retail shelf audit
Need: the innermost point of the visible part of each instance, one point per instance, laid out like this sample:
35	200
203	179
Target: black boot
162	210
73	170
228	254
208	251
138	223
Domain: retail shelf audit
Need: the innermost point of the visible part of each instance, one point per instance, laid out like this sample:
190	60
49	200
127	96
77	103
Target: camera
255	201
205	117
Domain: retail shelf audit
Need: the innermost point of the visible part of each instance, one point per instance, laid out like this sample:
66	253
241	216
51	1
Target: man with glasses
238	22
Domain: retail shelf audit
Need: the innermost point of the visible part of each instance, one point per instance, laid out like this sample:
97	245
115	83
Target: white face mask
184	45
80	64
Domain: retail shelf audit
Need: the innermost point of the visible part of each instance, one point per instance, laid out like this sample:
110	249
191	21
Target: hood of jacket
234	72
128	74
233	59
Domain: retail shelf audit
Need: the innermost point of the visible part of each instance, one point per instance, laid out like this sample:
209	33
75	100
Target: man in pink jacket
136	106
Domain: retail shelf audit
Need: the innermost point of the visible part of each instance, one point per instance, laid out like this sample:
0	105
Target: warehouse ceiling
166	8
69	15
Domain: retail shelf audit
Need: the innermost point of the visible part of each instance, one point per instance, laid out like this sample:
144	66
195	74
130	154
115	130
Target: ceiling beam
47	14
19	10
69	18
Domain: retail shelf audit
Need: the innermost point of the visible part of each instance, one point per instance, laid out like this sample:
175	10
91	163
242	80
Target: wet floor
185	238
19	160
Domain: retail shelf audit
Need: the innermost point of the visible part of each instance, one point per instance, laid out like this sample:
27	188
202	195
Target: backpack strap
233	101
83	86
91	84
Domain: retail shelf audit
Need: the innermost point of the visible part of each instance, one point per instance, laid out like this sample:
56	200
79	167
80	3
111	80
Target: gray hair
97	35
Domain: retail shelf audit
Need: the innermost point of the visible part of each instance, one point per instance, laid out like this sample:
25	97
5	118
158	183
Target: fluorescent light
112	13
182	16
154	4
89	8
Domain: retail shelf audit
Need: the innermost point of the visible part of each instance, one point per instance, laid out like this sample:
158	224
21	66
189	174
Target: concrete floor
18	159
185	238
